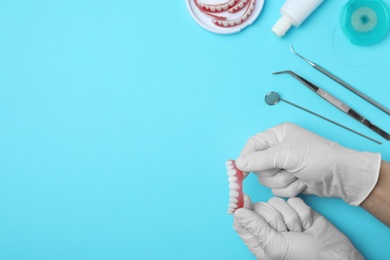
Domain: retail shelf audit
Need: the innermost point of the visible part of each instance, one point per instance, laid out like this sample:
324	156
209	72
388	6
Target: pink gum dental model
232	7
237	21
235	178
238	7
216	8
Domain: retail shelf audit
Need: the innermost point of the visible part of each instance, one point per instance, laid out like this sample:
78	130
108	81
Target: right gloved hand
290	159
290	230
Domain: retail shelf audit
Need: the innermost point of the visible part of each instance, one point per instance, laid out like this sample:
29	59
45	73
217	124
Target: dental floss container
365	22
294	12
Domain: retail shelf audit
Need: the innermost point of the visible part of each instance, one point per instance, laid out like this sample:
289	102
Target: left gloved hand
283	230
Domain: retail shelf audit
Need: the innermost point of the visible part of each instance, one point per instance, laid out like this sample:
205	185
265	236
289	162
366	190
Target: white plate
206	21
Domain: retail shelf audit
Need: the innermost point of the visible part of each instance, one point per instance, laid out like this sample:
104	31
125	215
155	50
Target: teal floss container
365	22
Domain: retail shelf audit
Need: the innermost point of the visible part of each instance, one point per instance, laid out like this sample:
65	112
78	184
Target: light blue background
117	118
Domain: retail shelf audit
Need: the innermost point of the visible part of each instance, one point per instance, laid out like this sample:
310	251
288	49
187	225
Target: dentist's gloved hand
283	230
290	160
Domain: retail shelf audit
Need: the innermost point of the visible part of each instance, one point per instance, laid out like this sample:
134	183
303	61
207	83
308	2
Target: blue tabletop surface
117	118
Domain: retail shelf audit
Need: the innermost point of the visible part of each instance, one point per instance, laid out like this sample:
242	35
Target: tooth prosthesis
235	178
238	7
218	7
232	7
231	23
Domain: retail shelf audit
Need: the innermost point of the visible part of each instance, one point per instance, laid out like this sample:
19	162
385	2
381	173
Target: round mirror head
272	98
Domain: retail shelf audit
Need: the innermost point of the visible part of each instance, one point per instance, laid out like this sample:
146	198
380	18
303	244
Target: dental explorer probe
337	103
342	82
273	98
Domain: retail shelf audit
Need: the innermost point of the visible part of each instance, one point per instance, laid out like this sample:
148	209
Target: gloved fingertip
282	193
290	191
244	216
241	214
241	162
247	202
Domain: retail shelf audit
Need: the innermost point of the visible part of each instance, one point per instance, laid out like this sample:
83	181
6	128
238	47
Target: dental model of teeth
238	7
218	7
235	178
232	7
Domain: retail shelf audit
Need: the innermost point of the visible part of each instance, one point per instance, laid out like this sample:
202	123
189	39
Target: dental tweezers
342	82
337	103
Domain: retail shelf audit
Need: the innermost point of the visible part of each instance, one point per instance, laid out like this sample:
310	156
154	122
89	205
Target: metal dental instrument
342	82
337	103
273	98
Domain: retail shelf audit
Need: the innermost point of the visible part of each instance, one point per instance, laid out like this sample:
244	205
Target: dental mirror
273	98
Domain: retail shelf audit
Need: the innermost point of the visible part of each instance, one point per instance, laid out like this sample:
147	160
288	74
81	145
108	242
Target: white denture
233	200
238	6
231	172
235	178
234	22
233	194
233	186
217	7
231	3
232	205
232	179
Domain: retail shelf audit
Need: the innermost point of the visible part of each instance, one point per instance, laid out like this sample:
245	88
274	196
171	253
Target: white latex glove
283	230
290	159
